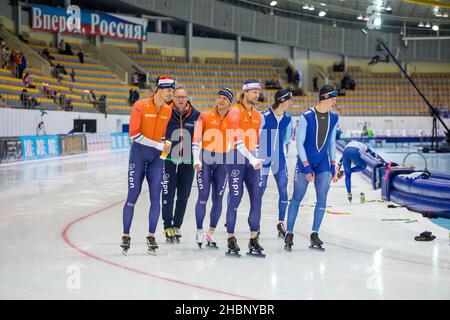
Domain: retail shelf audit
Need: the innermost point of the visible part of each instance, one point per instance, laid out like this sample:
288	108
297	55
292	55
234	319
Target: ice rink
60	219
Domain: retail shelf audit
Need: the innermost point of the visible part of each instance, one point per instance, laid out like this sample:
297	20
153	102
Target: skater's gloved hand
308	169
256	163
332	168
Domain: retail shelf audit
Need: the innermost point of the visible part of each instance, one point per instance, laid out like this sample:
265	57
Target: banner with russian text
86	22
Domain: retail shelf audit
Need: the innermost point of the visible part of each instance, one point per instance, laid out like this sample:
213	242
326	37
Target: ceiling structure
394	13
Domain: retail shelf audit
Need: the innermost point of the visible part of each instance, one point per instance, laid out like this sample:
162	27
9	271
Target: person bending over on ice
352	154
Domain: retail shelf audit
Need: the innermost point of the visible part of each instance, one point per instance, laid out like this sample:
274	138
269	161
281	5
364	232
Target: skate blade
230	254
212	246
317	248
280	236
152	252
289	249
259	255
125	252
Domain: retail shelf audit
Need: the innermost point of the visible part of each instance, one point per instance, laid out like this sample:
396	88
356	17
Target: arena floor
61	216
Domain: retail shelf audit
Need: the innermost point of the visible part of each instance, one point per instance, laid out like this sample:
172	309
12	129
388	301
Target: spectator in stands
58	70
296	91
23	65
68	50
27	78
72	75
296	79
17	63
34	103
92	98
339	67
46	54
133	96
2	42
142	80
135	78
102	104
272	84
11	61
5	55
21	38
47	90
61	47
81	56
68	105
315	81
348	83
25	99
2	101
130	97
54	96
289	73
62	100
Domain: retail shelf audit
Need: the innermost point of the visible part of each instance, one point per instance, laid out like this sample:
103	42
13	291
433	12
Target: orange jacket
245	125
147	120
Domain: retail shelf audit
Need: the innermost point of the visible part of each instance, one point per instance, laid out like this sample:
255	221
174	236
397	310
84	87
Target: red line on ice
64	235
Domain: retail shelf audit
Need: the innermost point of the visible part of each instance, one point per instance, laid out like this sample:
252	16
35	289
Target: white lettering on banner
69	20
52	147
46	22
40	147
137	31
62	24
54	26
37	20
103	28
120	30
95	20
74	20
128	30
112	28
28	148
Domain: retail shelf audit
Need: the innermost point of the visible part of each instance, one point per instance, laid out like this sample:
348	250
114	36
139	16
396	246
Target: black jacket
181	129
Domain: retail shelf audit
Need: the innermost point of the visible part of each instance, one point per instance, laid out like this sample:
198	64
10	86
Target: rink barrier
73	144
10	149
98	142
24	148
430	195
120	141
39	147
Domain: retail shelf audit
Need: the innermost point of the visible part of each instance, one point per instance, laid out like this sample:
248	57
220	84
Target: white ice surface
365	258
